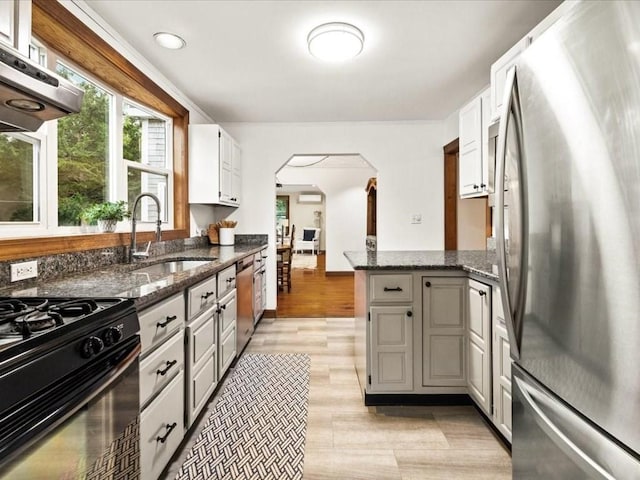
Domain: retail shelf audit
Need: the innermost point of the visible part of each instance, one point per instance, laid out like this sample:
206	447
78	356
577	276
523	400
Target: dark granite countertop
478	262
121	280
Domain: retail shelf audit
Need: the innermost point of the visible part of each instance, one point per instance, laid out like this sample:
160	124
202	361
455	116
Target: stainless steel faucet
132	249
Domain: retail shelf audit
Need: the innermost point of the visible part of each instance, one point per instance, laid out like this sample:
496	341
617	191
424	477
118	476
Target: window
282	213
19	178
145	150
83	151
94	156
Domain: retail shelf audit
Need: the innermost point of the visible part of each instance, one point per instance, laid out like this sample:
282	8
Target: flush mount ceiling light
169	40
335	42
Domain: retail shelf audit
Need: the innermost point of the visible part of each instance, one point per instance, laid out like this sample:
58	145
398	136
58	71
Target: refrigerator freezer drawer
552	441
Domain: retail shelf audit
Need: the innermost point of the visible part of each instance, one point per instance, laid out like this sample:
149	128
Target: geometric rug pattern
257	429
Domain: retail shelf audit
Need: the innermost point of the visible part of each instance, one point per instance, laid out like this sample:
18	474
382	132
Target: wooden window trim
60	30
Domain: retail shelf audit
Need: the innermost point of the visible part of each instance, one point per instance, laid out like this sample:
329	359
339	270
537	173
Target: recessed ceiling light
169	40
335	42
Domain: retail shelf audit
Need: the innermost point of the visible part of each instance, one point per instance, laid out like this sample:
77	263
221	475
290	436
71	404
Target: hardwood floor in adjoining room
347	440
314	294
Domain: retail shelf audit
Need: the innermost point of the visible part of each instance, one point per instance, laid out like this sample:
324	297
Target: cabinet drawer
226	280
162	420
202	296
157	369
160	321
201	385
391	288
259	259
201	335
227	351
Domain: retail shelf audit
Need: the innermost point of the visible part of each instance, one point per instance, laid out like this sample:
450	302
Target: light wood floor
346	440
313	294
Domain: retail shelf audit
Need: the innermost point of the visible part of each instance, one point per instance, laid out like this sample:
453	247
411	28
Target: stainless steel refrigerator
569	144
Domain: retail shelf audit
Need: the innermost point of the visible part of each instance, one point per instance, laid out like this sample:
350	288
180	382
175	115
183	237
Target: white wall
407	155
451	128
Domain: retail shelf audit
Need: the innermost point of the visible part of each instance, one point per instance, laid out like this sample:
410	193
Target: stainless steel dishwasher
244	284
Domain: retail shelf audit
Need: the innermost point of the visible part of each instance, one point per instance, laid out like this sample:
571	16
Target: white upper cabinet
214	166
499	72
500	68
474	147
15	24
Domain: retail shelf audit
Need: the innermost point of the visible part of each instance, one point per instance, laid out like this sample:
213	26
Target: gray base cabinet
391	349
161	383
501	370
444	310
479	344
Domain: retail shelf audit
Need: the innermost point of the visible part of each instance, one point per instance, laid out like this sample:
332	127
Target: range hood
31	94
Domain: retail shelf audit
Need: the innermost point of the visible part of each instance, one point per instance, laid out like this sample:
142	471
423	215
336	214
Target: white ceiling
248	61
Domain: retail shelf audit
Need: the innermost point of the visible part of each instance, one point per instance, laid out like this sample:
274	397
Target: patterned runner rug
257	428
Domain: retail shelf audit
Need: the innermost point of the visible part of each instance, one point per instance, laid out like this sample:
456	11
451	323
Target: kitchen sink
171	266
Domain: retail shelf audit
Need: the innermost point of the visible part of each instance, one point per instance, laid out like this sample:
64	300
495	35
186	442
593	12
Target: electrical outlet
416	218
24	270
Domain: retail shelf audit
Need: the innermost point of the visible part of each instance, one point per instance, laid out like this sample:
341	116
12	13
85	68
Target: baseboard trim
269	314
338	274
421	399
497	433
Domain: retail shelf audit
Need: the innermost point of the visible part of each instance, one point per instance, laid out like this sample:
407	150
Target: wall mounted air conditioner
310	198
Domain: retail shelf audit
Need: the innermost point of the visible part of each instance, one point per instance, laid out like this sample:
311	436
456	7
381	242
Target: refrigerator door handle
608	461
511	301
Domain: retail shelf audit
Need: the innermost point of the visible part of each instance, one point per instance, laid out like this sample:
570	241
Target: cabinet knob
409	313
427	284
482	293
475	187
482	185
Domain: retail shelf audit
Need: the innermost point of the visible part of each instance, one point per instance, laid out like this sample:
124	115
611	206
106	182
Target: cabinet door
501	370
470	158
479	344
391	349
486	121
162	428
236	173
443	329
226	167
7	22
499	75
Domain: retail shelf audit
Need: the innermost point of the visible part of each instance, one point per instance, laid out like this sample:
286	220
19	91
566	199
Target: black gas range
57	356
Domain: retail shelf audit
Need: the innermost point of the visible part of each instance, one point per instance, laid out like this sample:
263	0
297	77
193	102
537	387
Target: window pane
83	151
144	137
139	181
18	164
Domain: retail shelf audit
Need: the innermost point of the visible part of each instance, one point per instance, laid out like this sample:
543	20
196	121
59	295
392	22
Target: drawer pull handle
224	307
169	430
167	321
169	365
206	295
395	289
427	284
230	279
482	293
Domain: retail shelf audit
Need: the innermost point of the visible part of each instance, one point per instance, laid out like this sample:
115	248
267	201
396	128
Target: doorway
451	151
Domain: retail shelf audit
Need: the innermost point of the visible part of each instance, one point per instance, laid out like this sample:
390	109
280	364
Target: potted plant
106	215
